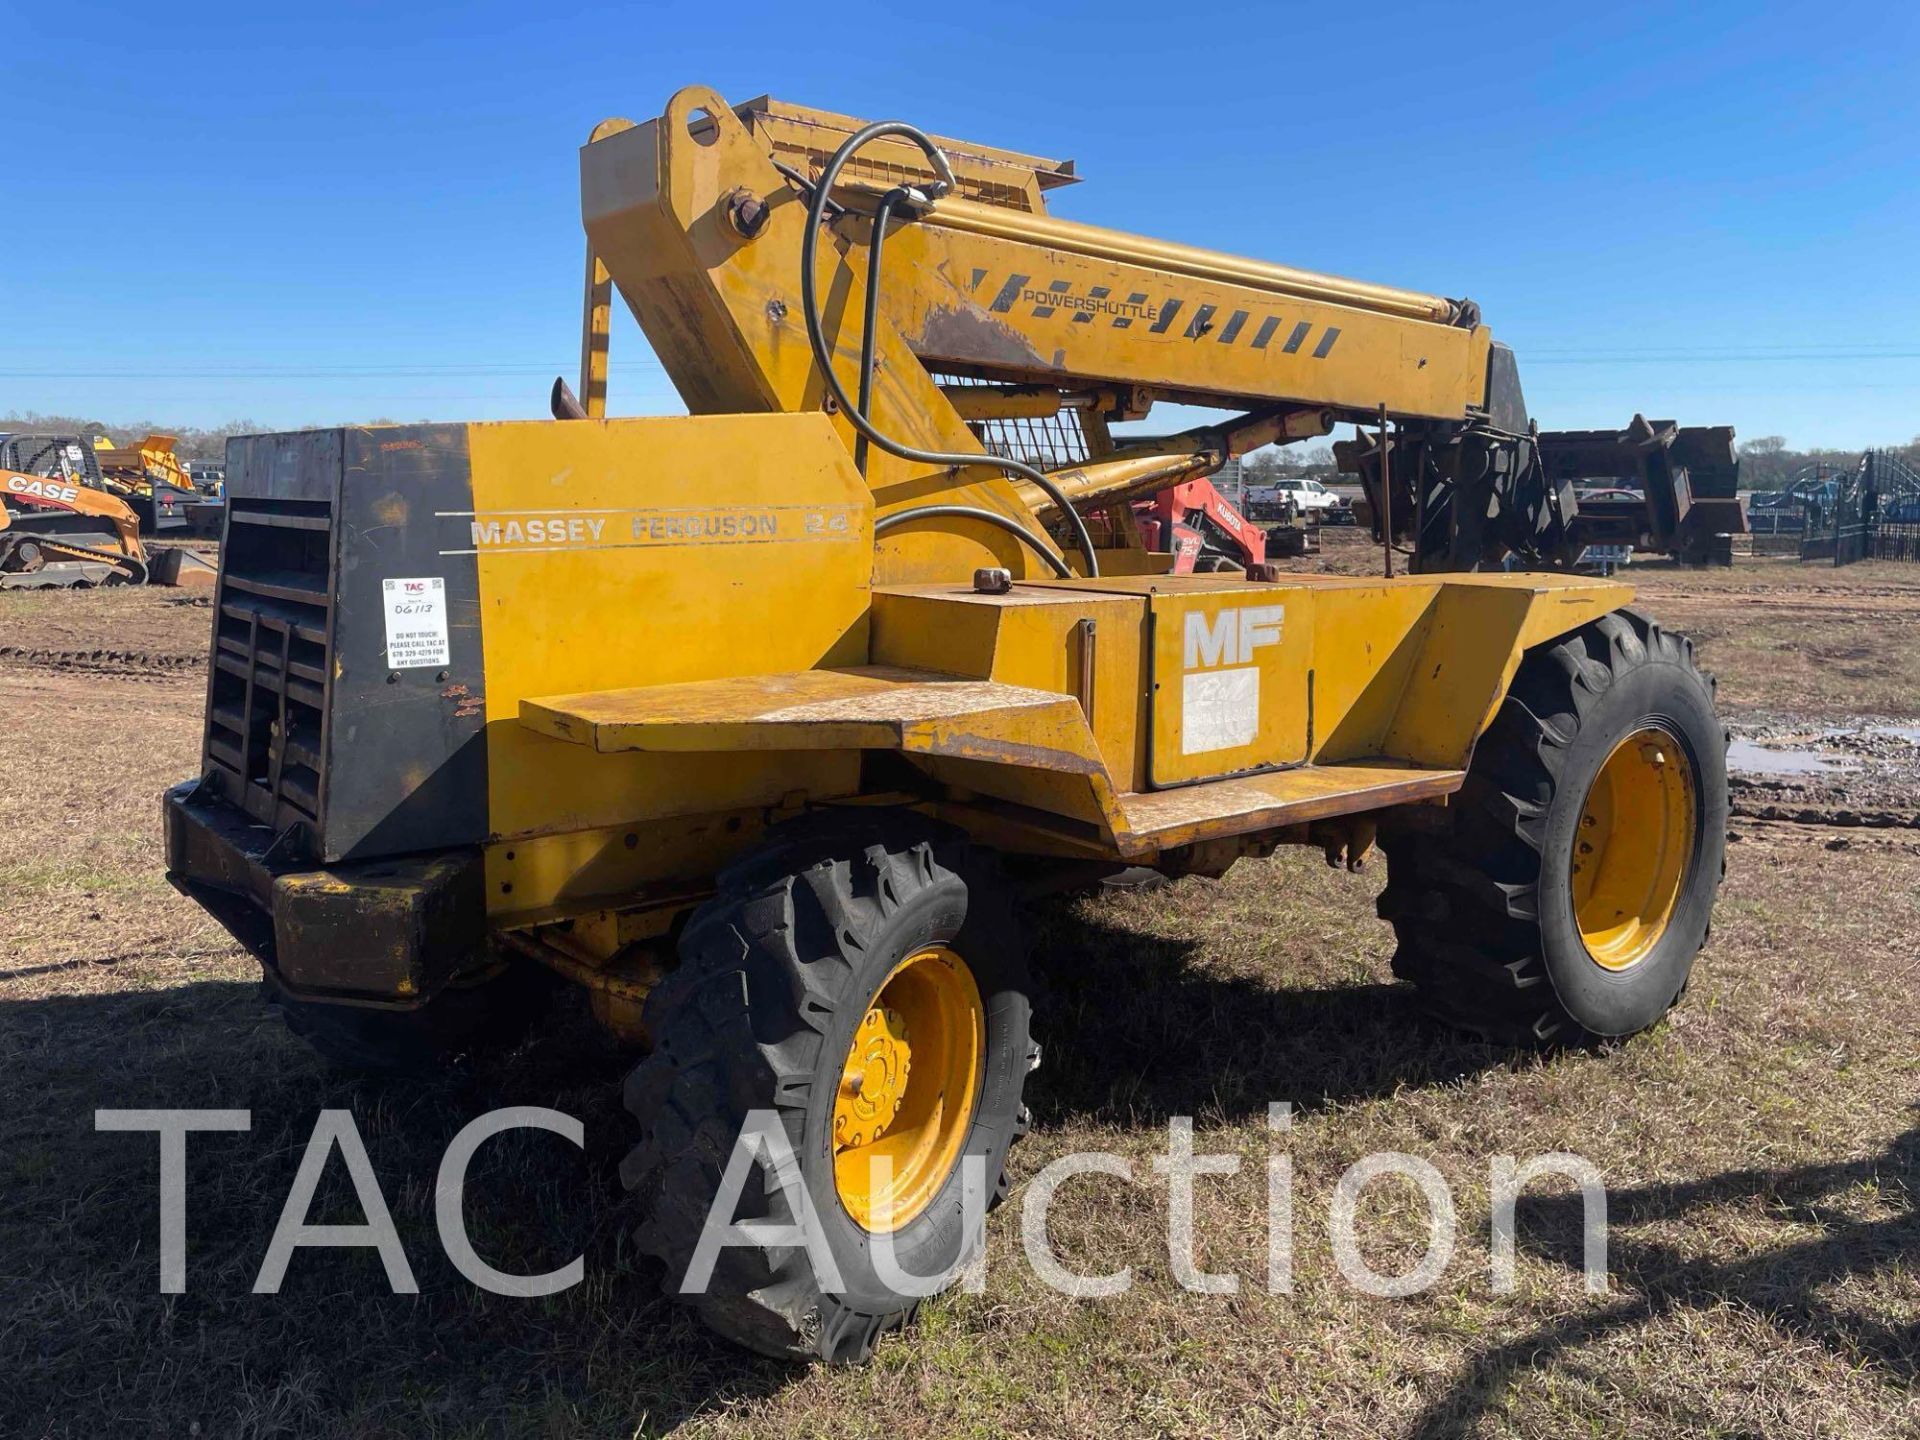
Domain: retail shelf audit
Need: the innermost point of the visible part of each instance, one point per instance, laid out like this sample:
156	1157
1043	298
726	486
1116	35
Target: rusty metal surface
1167	818
804	137
678	716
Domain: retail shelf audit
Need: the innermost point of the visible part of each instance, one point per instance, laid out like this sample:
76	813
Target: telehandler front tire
1572	885
859	985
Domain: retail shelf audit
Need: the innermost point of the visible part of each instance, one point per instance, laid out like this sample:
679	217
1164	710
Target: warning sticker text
416	623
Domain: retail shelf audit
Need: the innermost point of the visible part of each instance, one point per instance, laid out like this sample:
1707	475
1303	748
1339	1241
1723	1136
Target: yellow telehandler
757	722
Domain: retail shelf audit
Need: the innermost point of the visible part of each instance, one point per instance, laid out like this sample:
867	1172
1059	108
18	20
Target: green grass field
1761	1150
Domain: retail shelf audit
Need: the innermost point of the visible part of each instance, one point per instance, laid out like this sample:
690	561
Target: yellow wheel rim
908	1090
1633	848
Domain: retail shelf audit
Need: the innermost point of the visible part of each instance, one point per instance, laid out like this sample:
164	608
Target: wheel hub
908	1088
873	1085
1633	848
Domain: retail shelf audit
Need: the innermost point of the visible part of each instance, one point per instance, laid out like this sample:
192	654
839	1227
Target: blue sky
308	215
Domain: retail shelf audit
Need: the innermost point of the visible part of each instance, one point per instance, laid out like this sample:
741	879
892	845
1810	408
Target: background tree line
1293	462
195	443
1766	463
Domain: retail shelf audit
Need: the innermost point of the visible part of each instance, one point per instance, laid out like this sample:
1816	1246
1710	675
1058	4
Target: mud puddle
1860	774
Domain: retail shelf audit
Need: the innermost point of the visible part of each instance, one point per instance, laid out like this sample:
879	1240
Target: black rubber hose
870	316
975	512
823	357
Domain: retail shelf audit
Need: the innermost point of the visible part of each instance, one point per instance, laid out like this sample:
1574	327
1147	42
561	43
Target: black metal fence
1870	513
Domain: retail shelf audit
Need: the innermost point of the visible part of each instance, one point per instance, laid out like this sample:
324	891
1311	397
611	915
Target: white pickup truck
1306	497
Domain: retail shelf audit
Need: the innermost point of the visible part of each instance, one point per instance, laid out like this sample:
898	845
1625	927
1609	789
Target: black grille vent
267	694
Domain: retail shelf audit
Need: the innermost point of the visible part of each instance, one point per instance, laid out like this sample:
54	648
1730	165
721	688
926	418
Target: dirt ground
1819	675
1761	1148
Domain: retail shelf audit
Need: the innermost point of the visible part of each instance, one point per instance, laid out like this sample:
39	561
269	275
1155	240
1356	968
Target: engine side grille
272	641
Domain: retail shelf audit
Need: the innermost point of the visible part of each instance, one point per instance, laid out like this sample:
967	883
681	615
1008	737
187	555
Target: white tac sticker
1219	709
416	624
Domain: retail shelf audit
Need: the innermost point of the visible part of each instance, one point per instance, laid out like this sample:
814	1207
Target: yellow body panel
1362	671
1036	746
649	711
1030	636
1480	628
724	546
1231	688
1002	697
1248	804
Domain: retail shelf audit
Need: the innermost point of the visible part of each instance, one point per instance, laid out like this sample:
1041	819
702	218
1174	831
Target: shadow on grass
1144	1034
1783	1284
87	1343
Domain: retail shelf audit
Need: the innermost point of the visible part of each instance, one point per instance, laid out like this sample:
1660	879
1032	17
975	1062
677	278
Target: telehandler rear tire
859	982
1567	894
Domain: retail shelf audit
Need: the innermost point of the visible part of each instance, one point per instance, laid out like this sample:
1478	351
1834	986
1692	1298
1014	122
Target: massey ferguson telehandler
756	722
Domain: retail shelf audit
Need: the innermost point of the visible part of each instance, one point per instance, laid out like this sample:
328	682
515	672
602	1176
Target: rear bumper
387	932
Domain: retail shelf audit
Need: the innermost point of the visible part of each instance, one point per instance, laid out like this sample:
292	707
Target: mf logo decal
1231	636
1220	692
1123	311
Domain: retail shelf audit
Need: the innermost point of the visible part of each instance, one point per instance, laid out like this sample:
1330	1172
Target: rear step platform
951	717
871	707
1241	803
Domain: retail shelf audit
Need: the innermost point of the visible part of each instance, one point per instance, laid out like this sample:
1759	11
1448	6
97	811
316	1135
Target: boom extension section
991	327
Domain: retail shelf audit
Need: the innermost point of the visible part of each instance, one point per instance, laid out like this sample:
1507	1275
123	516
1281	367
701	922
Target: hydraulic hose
870	313
856	412
975	512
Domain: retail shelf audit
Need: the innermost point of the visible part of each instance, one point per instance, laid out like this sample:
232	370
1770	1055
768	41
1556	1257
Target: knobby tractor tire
1486	911
778	973
492	1013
